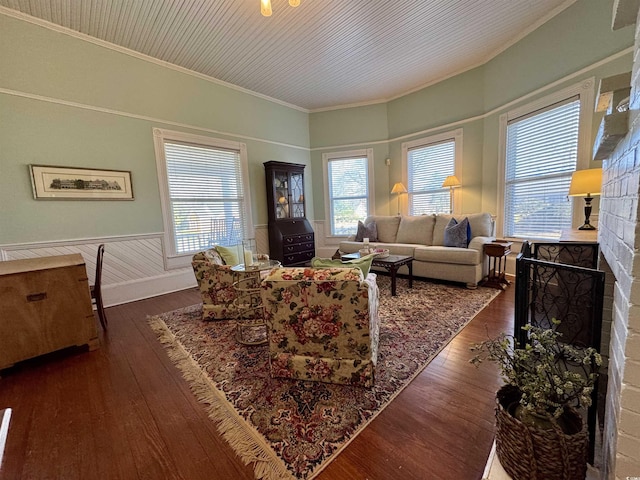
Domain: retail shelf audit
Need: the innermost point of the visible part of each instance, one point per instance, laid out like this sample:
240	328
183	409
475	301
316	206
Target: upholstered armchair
215	280
322	324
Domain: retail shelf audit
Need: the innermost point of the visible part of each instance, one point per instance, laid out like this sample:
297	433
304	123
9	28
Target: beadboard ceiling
322	54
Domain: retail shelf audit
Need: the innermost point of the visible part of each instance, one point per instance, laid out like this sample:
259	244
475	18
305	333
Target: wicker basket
530	453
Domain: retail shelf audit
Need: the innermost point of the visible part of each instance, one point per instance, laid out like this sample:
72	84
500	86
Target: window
203	192
541	144
428	162
348	179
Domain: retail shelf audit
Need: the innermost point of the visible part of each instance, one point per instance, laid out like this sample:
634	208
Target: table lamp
586	183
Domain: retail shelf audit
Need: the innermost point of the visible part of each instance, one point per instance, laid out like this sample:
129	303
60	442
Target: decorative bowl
379	252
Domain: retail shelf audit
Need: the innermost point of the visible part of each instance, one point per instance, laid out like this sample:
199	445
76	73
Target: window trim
585	91
326	157
457	137
173	260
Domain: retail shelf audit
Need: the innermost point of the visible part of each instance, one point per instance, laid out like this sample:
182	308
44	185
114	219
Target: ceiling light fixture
265	6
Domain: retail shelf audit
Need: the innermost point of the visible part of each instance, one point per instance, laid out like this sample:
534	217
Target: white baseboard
134	290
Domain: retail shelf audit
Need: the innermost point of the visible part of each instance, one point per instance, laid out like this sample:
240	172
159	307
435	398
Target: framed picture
69	183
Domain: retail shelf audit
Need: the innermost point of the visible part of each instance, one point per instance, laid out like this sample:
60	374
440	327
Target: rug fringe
245	440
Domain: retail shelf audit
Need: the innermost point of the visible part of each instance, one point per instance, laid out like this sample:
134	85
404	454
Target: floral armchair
215	280
322	324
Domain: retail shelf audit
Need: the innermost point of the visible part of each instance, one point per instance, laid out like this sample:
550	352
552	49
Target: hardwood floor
124	412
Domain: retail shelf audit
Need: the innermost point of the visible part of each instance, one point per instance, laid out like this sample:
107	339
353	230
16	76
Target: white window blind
541	155
348	180
428	166
206	196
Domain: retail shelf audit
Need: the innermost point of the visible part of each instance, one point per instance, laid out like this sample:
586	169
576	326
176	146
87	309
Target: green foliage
540	372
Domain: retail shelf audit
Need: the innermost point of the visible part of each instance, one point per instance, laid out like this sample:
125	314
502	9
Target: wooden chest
45	305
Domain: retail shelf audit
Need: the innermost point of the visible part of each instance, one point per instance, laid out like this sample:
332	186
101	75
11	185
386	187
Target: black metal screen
560	281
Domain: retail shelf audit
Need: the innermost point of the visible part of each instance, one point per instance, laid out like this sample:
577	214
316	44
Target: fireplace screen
561	281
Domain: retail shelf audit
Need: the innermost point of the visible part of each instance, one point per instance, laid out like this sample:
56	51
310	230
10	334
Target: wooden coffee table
391	263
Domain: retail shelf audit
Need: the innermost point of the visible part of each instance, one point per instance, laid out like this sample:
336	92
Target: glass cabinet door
297	195
282	197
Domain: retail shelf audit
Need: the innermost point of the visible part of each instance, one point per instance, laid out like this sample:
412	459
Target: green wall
575	39
357	126
96	107
576	44
99	110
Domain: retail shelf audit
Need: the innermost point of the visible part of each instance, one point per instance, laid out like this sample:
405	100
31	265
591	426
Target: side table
497	252
250	327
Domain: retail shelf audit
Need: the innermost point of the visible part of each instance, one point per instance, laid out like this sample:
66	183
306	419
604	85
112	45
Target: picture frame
71	183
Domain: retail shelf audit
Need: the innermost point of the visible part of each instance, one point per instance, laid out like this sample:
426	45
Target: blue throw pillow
468	231
457	234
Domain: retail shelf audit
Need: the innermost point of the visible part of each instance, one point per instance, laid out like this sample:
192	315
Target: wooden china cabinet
291	239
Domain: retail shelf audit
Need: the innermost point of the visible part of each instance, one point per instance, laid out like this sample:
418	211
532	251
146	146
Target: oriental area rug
291	429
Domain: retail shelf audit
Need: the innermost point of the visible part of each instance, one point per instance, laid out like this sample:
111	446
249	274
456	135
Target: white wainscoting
132	268
133	265
326	245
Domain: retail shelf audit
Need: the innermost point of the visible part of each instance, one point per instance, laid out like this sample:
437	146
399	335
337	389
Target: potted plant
539	432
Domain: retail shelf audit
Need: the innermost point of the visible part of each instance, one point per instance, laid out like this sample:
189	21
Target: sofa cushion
367	230
387	227
399	248
347	246
416	229
480	223
455	255
457	234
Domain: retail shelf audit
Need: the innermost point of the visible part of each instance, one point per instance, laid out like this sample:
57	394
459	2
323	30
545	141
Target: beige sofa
422	237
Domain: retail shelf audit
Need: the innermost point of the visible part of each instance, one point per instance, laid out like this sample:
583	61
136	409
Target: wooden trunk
45	305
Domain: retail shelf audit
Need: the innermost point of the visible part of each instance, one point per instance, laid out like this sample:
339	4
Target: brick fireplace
619	237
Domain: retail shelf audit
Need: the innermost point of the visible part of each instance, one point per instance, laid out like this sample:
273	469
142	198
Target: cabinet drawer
300	257
297	247
291	239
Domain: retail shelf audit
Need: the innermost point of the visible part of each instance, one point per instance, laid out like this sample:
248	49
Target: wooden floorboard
124	412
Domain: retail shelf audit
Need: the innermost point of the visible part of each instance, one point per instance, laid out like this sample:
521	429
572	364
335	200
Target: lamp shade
451	181
586	183
399	188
